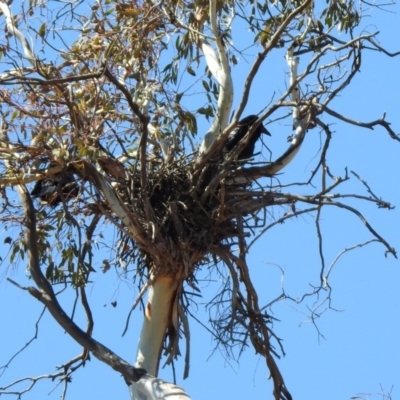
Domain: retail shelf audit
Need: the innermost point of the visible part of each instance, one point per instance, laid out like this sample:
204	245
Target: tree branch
13	30
153	387
220	69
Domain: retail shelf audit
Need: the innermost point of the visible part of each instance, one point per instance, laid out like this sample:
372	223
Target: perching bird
49	189
239	133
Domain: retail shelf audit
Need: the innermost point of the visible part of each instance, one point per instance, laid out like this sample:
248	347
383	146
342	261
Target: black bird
239	133
50	189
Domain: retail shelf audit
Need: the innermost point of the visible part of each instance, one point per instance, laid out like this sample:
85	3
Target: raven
240	132
49	189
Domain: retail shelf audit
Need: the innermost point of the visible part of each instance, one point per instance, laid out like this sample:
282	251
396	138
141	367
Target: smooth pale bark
299	124
13	30
221	73
157	318
163	290
218	64
156	321
157	389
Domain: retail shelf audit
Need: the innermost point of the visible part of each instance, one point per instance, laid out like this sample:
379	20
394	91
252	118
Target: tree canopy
114	122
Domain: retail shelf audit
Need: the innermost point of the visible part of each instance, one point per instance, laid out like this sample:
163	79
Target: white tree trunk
157	318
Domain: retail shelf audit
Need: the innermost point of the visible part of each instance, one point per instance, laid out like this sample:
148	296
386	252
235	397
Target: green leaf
49	271
191	71
42	30
206	85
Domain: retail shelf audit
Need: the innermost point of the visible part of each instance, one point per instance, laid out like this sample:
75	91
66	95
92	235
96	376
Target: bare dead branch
382	49
45	294
135	303
325	279
369	125
261	56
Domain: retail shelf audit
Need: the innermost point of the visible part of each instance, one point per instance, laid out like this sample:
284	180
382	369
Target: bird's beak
264	130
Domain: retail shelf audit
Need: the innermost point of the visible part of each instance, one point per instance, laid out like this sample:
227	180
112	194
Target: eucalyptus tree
100	115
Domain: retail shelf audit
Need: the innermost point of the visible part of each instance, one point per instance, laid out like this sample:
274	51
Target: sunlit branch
117	206
17	33
17	180
220	69
261	56
369	125
16	78
325	283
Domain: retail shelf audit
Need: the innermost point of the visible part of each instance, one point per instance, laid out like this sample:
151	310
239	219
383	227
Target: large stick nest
186	213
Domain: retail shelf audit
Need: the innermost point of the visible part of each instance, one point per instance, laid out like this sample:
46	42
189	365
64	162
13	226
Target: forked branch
153	387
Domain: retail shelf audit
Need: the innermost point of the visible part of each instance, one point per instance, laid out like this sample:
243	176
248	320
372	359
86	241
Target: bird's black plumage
240	132
50	189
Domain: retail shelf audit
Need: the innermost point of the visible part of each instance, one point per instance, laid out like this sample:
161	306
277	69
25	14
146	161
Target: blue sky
354	349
